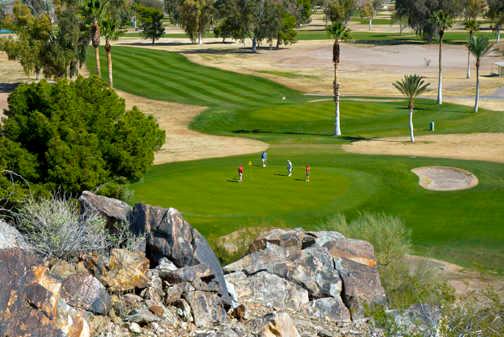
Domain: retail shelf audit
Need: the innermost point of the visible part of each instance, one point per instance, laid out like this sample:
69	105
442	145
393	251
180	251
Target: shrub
403	284
54	227
76	135
477	314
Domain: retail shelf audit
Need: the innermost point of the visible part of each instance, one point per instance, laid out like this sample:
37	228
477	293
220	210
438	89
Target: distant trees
496	15
265	20
420	14
369	9
151	21
196	17
39	47
75	136
479	46
411	86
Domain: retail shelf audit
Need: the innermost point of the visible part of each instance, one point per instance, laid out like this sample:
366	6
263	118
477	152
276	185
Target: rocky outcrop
84	291
168	234
30	300
338	274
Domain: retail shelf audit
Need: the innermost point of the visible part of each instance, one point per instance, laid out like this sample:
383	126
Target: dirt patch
474	146
442	178
463	281
184	144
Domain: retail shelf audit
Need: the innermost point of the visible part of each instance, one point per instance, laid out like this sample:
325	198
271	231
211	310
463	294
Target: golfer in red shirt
240	173
307	173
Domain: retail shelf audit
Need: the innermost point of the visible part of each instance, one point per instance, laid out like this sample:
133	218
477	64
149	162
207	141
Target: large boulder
84	291
30	300
10	237
207	308
112	209
169	235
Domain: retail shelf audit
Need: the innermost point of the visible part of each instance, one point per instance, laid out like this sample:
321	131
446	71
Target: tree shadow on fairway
233	180
281	174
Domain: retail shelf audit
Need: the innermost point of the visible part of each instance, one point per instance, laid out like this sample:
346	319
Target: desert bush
54	227
388	235
479	314
403	284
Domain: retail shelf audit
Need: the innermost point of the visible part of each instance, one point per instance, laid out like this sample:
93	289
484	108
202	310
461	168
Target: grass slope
465	226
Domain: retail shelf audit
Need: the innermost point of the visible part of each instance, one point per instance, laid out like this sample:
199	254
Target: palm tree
94	10
472	26
111	31
411	86
339	32
442	21
479	46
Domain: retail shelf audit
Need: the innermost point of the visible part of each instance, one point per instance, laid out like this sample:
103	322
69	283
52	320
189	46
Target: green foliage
479	46
442	21
79	135
151	21
340	10
287	34
412	86
387	234
195	16
420	14
403	284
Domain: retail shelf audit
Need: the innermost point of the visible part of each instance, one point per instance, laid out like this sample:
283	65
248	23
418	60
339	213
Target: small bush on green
391	240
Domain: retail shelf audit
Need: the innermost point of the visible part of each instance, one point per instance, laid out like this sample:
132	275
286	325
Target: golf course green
466	227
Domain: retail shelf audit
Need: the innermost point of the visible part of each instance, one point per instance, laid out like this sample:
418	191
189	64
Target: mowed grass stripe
213	90
177	68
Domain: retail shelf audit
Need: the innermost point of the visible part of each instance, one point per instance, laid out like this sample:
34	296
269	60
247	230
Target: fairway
465	227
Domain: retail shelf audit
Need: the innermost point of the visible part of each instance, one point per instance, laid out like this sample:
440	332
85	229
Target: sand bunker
443	178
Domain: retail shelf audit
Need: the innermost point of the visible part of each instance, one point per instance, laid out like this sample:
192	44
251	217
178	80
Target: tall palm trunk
254	44
476	100
469	58
336	60
95	41
498	34
108	50
200	38
440	74
370	24
411	128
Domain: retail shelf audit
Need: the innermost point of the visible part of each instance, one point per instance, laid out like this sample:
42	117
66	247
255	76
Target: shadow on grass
8	87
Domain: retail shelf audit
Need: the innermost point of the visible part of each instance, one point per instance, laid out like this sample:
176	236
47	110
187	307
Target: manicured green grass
466	227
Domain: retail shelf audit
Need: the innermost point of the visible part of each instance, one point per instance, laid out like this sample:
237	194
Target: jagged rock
30	303
183	310
112	209
11	238
296	239
84	291
134	327
322	237
362	285
126	270
207	308
279	324
154	290
165	267
328	308
142	317
186	274
354	250
169	235
268	289
313	268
